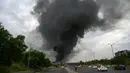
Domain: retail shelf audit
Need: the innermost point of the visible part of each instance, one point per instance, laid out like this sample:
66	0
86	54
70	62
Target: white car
102	68
89	66
94	67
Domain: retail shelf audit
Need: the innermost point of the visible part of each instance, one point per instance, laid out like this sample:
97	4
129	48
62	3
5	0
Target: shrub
18	67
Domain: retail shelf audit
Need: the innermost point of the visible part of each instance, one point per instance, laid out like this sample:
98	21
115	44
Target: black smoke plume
62	22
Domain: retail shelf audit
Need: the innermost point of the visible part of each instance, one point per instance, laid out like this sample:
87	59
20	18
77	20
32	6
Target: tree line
14	50
123	59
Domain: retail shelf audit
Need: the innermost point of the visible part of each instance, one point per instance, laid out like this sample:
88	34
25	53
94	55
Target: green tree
11	49
5	36
121	59
81	63
18	47
36	59
102	61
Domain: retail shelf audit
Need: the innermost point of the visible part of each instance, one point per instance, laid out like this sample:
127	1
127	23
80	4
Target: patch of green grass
4	69
18	67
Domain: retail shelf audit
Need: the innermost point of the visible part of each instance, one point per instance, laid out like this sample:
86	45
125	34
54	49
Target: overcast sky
15	16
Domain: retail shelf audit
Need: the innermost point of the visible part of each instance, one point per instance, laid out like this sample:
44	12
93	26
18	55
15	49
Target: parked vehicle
120	67
94	67
89	66
102	68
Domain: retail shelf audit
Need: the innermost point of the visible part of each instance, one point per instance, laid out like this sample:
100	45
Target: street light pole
94	55
112	52
112	48
29	54
28	59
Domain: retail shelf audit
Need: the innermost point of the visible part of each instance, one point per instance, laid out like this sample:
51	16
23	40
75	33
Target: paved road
55	70
90	70
81	70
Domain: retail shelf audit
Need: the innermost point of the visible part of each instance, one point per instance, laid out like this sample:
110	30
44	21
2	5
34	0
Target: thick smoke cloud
62	22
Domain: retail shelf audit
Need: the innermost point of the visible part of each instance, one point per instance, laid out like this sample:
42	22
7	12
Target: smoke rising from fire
62	22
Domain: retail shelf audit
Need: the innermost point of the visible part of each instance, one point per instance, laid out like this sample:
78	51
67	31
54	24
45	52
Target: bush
18	67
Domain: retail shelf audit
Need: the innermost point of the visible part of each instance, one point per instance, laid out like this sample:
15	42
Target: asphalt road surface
91	70
55	70
81	70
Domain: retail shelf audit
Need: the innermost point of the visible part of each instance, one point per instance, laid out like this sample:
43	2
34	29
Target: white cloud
15	15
